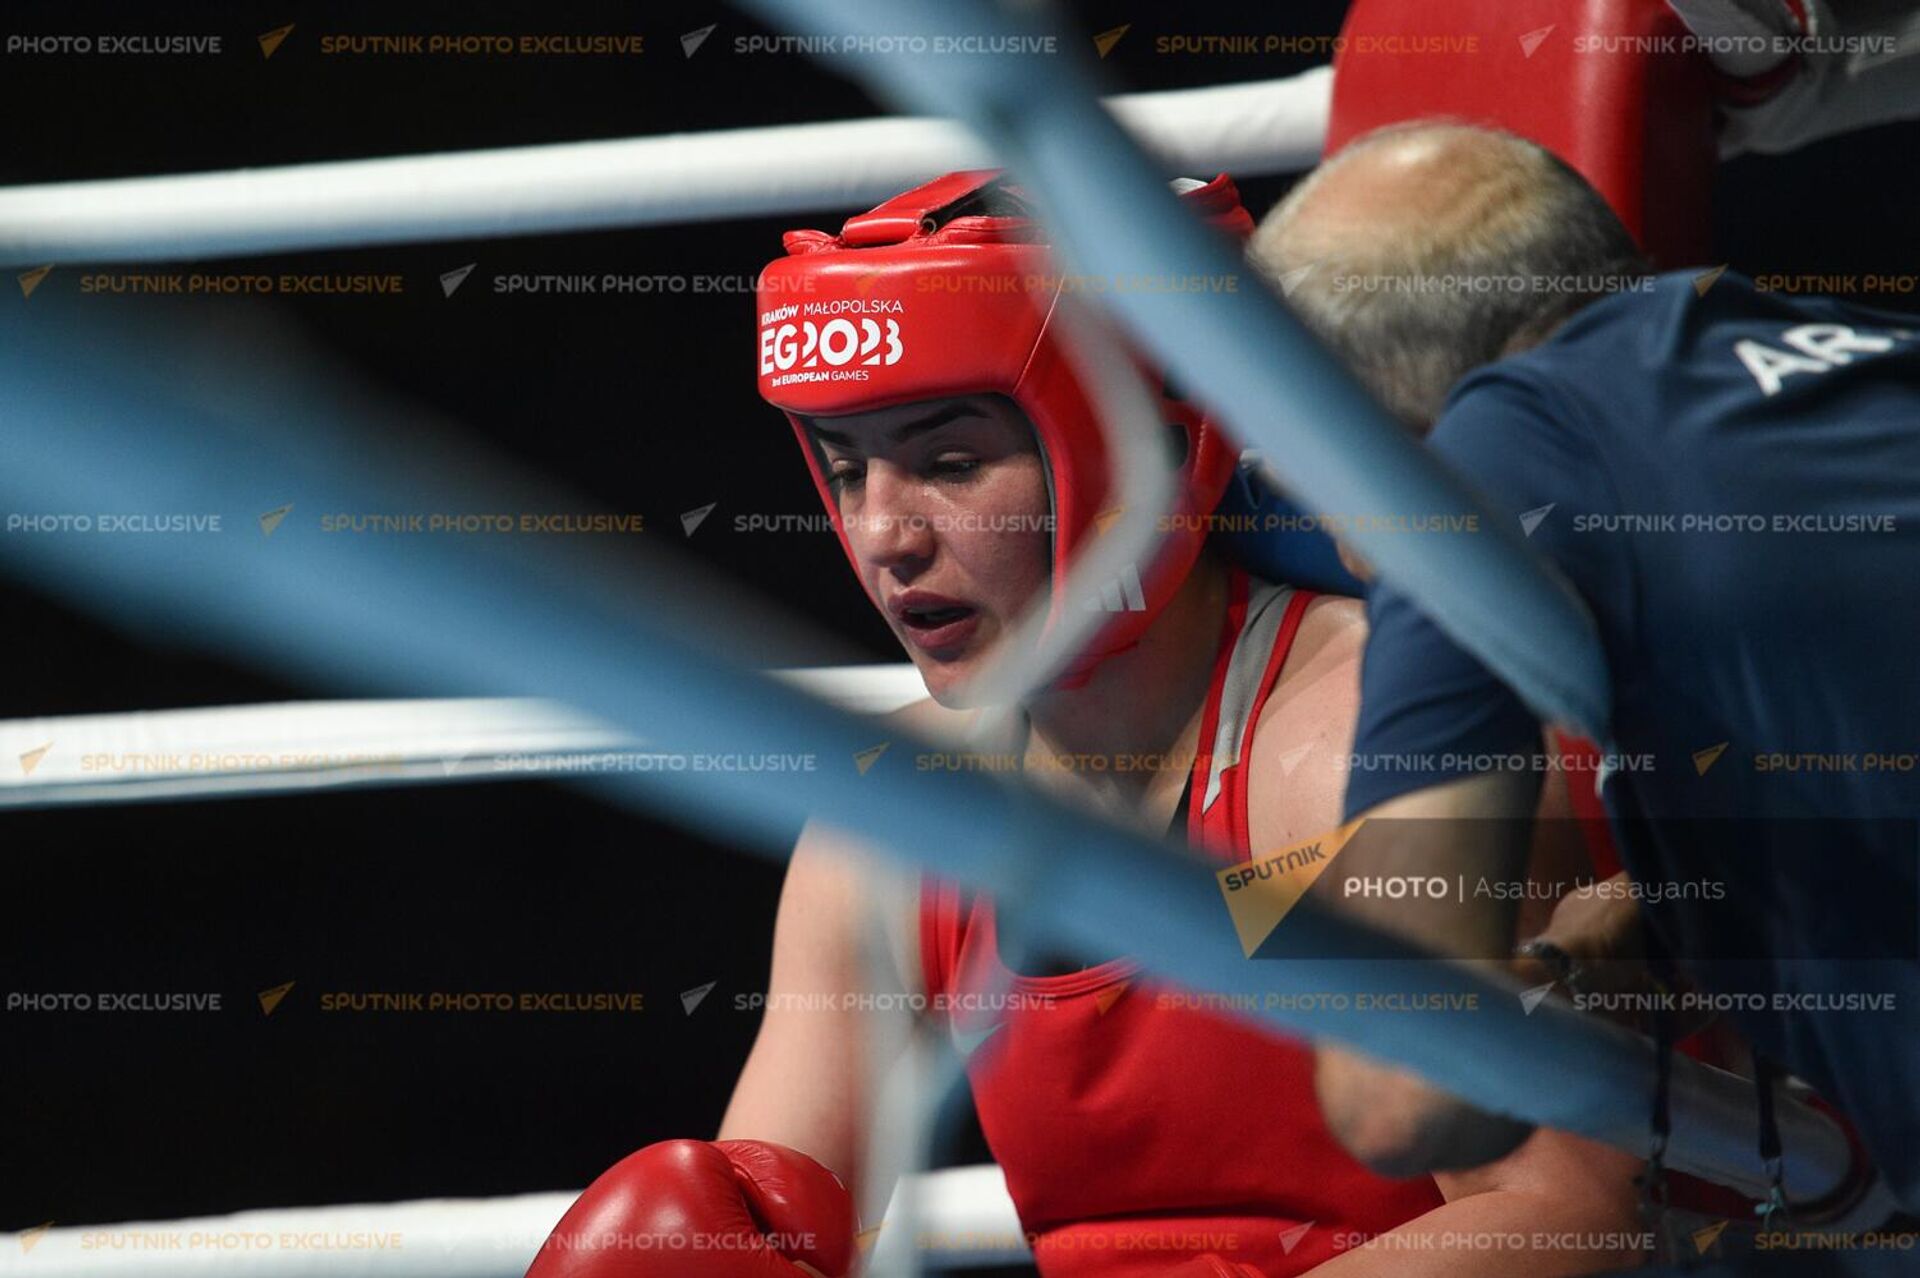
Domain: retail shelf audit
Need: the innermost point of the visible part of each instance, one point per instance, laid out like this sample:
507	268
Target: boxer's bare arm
1297	773
1558	1205
1580	1192
1553	1182
806	1082
1475	827
1300	764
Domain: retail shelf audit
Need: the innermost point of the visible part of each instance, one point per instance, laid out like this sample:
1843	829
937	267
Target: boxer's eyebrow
907	430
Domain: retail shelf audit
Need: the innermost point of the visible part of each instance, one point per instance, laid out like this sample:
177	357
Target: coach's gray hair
1520	243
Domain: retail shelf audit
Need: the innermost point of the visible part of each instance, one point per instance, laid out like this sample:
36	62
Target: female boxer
964	468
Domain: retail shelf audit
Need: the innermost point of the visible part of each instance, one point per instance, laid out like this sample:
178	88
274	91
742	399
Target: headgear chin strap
948	290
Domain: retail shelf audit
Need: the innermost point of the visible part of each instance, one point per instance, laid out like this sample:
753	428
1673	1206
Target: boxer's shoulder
1327	647
1296	767
1332	624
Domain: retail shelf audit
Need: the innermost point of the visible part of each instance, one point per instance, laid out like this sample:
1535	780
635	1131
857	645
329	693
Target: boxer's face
946	507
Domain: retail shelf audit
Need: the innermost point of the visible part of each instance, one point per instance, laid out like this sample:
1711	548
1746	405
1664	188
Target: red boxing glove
1211	1266
705	1209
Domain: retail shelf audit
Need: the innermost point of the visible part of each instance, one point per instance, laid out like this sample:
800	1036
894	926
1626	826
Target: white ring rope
964	1215
294	746
1272	126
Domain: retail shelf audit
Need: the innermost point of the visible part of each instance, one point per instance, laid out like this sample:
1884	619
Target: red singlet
1137	1129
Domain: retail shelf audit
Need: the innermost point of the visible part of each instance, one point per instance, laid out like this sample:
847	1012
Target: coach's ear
1398	1125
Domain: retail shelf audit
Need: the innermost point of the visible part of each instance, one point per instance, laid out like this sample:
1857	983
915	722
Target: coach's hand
1595	945
705	1209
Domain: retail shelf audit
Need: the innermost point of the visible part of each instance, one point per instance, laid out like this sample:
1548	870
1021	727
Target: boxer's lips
934	622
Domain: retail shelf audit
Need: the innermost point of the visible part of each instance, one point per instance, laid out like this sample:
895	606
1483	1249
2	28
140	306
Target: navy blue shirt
1731	480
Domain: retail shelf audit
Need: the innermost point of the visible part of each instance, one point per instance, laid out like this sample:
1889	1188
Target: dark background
641	404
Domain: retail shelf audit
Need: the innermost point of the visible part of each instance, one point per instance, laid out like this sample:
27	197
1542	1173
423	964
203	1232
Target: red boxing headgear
942	292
